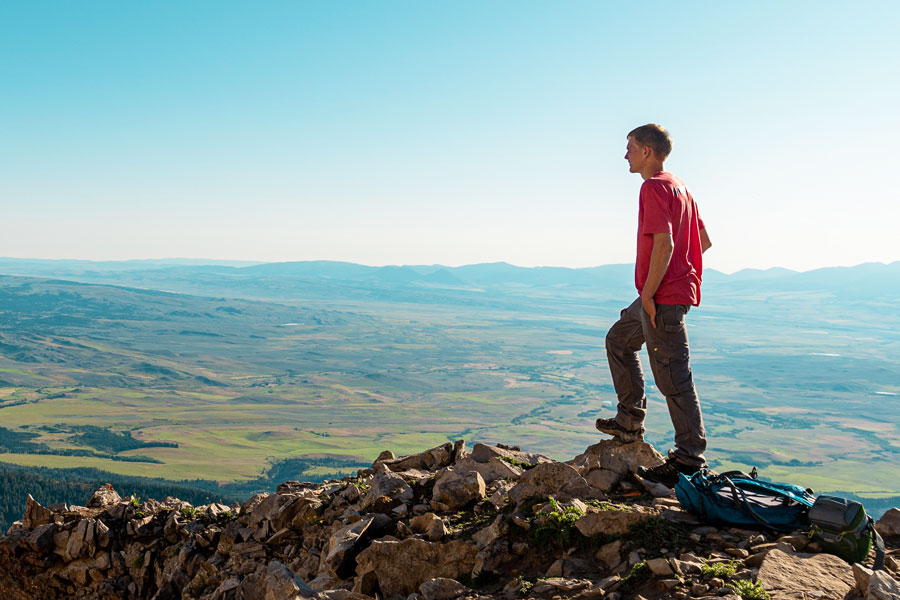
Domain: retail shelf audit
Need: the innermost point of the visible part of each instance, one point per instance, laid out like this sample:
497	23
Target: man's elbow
705	244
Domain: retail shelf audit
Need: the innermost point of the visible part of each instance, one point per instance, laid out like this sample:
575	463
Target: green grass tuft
748	590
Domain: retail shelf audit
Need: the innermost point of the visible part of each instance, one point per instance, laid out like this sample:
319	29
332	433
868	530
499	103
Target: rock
558	479
660	567
216	510
889	524
883	587
796	576
619	458
104	497
400	567
274	581
386	484
430	460
441	588
603	479
431	525
35	514
610	522
862	575
797	542
41	538
490	471
491	533
339	558
484	453
454	490
737	552
556	569
610	554
84	540
282	510
501	494
252	502
385	455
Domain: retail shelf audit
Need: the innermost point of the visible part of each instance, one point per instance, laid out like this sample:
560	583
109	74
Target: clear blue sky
410	132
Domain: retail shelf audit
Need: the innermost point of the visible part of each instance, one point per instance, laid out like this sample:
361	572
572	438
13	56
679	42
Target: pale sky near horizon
408	132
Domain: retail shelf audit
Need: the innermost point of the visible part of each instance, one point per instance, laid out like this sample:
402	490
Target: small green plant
190	512
719	569
525	587
517	463
139	514
555	526
748	590
656	532
135	500
464	524
606	505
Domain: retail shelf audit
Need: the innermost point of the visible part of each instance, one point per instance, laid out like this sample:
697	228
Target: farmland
238	369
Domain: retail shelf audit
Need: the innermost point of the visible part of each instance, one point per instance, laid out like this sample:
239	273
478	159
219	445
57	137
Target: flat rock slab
802	576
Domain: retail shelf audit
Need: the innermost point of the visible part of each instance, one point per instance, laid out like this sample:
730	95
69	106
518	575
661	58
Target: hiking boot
666	473
612	427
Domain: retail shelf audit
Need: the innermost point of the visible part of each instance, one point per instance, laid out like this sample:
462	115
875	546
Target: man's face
636	155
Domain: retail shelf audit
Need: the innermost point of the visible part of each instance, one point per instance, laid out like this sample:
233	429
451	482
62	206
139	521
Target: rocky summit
496	522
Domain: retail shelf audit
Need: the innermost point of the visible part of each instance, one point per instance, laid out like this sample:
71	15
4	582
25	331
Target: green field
788	382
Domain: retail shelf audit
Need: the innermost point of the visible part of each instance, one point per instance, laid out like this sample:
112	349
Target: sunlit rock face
443	524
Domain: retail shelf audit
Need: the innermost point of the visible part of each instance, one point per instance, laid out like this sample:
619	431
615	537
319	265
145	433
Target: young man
670	242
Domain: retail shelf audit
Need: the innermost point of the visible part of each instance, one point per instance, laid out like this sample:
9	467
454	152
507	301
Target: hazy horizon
244	262
422	133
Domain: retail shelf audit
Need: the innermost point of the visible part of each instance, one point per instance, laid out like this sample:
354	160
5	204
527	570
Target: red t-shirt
666	206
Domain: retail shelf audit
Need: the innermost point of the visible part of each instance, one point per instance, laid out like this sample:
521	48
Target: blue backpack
740	500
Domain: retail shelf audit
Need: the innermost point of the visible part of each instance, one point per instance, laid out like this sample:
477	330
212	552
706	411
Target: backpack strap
740	499
879	544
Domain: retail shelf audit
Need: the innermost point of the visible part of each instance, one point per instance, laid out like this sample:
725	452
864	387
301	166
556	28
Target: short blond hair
655	137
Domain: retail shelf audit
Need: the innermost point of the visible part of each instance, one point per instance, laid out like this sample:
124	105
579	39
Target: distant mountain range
869	281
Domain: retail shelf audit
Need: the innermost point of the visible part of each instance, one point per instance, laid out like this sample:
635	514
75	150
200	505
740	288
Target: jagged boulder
104	497
399	568
511	454
558	479
345	543
35	514
386	485
882	587
606	463
430	460
792	576
608	522
273	581
431	525
491	470
889	525
454	490
441	588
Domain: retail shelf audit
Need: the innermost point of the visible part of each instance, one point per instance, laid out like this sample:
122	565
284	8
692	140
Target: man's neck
651	169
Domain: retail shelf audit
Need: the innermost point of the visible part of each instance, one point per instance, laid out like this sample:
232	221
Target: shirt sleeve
657	213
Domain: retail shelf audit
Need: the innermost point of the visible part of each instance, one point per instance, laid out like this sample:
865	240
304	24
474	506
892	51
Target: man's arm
704	241
659	262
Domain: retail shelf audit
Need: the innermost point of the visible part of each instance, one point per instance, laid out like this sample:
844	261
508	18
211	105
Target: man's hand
650	308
